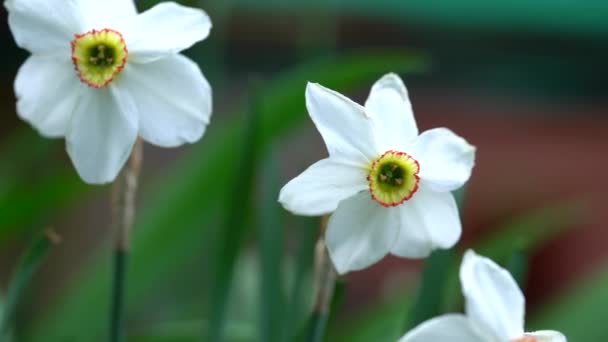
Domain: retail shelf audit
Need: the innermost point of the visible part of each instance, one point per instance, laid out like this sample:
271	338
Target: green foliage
577	312
22	276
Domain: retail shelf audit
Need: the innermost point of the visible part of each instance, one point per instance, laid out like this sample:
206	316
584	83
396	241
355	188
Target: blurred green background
216	258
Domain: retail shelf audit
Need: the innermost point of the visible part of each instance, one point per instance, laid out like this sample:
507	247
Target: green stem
118	286
123	211
325	282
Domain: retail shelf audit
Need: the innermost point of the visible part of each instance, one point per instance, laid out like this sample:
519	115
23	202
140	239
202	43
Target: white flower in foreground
389	188
101	75
494	308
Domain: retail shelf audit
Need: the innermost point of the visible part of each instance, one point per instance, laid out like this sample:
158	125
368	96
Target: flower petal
360	232
319	189
389	105
47	91
44	26
165	29
446	328
548	336
107	13
492	297
446	160
173	99
343	124
102	133
429	220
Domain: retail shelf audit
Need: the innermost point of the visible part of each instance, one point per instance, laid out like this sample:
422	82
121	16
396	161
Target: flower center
98	56
393	178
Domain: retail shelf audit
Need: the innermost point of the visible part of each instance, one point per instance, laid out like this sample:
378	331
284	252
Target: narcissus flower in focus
494	308
101	75
388	187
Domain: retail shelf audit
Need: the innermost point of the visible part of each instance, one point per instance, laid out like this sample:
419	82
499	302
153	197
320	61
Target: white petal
360	232
548	336
389	105
173	99
47	90
45	26
446	160
165	29
446	328
107	13
343	124
102	133
492	297
429	220
319	189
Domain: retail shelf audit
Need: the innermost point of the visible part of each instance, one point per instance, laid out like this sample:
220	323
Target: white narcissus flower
101	75
494	306
387	186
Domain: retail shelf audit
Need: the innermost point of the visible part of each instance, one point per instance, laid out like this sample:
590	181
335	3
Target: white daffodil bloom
494	308
387	186
101	75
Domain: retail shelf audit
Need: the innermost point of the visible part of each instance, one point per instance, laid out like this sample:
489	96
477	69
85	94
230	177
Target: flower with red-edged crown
387	188
101	75
494	306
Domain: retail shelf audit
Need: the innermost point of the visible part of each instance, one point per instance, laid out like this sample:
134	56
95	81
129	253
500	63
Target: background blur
524	81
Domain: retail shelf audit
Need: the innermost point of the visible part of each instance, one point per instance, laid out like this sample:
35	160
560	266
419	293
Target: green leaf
301	290
382	321
232	234
173	227
25	270
523	233
429	298
270	235
432	286
190	331
27	197
518	265
577	312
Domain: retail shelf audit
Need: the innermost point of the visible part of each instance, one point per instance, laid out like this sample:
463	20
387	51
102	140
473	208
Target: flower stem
123	212
325	281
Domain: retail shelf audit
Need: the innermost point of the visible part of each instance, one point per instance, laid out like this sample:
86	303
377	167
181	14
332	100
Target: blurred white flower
388	187
494	308
100	75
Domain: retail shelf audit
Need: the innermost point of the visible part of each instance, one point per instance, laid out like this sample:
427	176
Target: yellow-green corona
393	178
99	56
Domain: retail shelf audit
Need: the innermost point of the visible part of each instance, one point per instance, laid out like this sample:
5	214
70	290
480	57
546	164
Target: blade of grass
518	265
270	232
525	233
578	312
298	308
429	298
381	321
190	331
231	237
25	270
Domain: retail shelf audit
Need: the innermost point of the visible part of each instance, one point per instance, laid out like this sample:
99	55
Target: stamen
98	56
393	178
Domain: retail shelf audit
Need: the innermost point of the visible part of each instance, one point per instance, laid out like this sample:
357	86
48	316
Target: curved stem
325	282
123	211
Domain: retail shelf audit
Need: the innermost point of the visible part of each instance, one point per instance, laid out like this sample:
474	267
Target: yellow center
393	178
98	56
